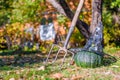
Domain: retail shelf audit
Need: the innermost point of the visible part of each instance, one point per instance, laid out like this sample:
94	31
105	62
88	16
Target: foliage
5	9
61	19
24	10
20	10
111	27
15	13
115	3
77	40
14	32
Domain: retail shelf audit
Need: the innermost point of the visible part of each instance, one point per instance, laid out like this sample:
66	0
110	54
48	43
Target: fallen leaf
41	68
78	77
12	79
72	62
107	73
18	72
66	79
57	76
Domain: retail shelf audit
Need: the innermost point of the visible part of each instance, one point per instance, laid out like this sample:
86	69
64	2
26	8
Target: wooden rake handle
75	18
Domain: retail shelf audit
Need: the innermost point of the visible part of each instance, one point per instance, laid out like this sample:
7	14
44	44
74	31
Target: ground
30	66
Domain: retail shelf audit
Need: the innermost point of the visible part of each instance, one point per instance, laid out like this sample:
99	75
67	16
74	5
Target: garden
59	40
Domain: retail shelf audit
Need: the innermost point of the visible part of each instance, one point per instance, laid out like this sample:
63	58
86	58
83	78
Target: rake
64	48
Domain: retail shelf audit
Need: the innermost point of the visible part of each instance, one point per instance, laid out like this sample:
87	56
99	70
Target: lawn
31	67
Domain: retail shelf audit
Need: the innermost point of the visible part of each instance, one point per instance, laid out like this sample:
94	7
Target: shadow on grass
9	60
14	52
108	59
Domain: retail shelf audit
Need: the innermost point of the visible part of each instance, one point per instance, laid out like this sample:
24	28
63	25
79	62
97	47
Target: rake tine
72	55
61	49
56	55
64	57
66	52
49	53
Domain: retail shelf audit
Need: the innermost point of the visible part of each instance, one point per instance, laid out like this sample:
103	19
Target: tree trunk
96	14
9	42
95	41
82	26
64	9
57	6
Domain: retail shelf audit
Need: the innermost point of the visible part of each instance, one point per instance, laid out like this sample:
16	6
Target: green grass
100	73
111	50
32	71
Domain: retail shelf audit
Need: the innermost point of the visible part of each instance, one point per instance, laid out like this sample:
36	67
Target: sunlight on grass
101	73
111	50
39	71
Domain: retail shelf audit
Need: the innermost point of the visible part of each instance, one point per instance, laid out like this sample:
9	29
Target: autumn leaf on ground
76	77
41	68
57	76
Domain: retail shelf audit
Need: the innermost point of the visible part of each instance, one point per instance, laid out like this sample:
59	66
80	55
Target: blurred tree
111	9
5	11
14	11
111	20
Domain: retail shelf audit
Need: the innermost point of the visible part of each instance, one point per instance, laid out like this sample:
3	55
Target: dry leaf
76	77
57	76
41	68
66	79
12	79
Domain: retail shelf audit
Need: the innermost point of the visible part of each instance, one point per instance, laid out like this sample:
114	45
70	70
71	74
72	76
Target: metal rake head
61	49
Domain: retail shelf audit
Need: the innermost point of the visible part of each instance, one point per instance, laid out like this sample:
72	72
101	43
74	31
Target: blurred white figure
47	32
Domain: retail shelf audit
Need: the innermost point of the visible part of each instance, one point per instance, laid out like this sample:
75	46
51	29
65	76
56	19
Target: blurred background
21	20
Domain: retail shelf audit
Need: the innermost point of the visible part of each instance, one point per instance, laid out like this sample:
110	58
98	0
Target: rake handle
75	18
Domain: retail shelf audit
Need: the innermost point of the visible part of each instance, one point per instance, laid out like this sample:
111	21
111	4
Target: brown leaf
41	68
66	79
76	77
12	79
57	76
